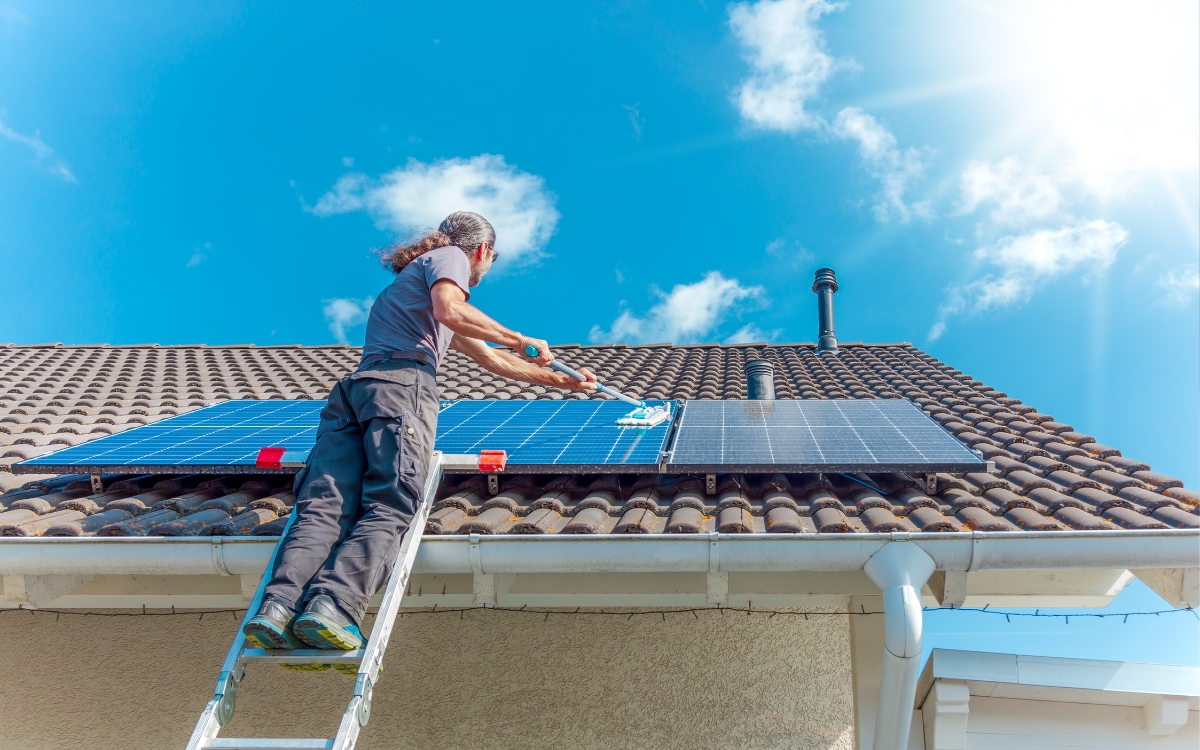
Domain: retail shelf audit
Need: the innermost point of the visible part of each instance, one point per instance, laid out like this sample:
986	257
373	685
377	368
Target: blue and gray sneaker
325	625
270	628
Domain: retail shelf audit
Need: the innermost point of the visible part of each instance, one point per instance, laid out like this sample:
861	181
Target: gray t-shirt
401	323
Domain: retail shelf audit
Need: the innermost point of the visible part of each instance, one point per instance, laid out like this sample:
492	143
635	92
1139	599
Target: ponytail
462	228
397	256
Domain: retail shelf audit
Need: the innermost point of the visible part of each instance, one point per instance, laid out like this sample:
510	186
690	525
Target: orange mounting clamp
492	460
269	457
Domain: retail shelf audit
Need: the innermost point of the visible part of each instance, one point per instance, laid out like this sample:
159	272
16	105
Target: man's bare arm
505	365
451	309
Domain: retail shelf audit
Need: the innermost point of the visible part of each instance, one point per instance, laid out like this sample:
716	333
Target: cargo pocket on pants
414	455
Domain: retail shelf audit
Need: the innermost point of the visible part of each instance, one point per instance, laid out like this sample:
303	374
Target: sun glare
1117	84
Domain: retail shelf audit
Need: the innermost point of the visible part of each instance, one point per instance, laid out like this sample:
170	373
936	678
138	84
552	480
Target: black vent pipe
825	284
760	380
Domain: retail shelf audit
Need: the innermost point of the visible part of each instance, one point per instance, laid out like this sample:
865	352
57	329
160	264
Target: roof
1114	683
1049	476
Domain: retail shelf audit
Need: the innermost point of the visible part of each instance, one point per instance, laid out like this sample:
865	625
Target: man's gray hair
468	230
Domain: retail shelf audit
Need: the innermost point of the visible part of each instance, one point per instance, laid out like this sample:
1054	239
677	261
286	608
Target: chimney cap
824	277
760	380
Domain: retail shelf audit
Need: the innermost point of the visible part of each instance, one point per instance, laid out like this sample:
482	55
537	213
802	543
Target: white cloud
199	257
635	119
790	252
43	156
1027	260
349	194
342	314
1179	286
684	315
787	58
1050	252
748	334
789	63
347	161
418	196
895	169
1018	195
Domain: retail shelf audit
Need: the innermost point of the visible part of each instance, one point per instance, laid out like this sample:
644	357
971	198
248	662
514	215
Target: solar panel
226	437
222	438
814	435
553	436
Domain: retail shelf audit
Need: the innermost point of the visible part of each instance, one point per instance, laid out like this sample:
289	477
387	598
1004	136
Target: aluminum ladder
369	659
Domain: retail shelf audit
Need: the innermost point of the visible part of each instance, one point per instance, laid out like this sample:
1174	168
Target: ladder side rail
219	709
358	711
394	591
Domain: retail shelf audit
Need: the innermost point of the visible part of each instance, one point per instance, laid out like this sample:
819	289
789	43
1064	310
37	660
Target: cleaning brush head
646	416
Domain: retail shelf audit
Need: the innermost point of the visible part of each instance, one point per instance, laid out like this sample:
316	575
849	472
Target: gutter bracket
483	585
976	552
218	556
717	584
476	563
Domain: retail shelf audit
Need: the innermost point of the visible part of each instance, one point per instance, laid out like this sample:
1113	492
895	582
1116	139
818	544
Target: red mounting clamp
269	457
492	461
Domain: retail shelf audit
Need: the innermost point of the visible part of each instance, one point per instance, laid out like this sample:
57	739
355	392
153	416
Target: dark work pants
358	492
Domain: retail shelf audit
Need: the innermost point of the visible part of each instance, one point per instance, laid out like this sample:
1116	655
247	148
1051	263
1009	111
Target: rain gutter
611	553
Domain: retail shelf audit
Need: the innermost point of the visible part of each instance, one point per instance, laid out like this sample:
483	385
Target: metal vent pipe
825	284
760	380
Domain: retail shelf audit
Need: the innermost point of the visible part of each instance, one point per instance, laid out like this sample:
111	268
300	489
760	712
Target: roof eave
614	553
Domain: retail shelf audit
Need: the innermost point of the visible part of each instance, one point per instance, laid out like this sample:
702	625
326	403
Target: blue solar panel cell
537	435
814	435
566	436
552	435
229	433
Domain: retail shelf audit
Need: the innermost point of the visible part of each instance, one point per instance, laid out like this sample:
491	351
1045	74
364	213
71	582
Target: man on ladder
364	478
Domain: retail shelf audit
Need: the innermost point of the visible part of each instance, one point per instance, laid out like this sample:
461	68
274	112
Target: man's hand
544	355
563	380
508	366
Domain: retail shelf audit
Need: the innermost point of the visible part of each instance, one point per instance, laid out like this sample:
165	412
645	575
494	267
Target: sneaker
270	628
325	625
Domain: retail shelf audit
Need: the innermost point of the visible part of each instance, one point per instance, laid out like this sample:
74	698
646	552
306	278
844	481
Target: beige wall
492	679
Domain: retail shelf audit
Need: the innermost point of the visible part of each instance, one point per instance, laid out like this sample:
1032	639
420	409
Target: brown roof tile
1048	475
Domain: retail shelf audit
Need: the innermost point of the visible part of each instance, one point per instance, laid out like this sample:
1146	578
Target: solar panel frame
811	435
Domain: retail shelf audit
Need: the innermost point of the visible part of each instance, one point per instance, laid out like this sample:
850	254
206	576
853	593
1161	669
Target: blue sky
1011	186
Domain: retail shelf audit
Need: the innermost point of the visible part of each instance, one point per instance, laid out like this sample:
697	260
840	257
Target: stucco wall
491	679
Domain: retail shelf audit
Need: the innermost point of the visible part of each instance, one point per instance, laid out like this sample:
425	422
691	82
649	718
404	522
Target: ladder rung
302	656
266	743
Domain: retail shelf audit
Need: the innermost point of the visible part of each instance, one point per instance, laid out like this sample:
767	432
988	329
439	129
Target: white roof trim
611	553
1061	679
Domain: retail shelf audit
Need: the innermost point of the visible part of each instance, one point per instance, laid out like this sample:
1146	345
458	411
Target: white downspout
901	569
